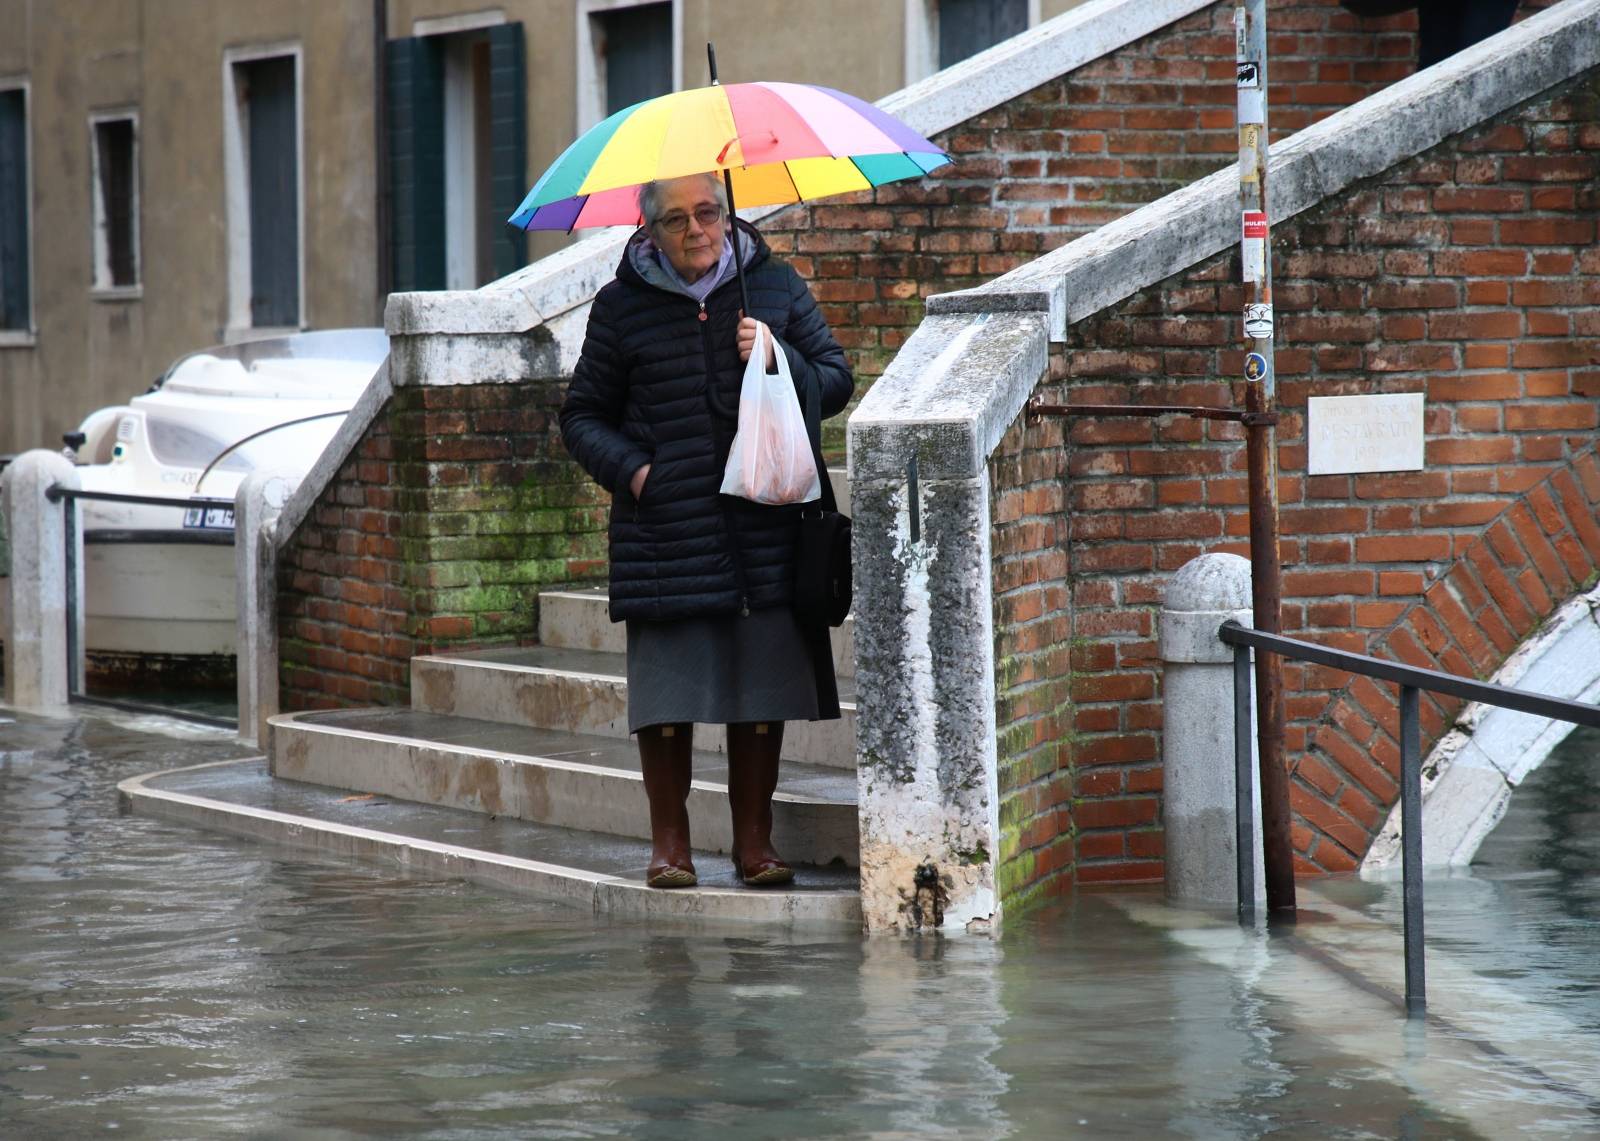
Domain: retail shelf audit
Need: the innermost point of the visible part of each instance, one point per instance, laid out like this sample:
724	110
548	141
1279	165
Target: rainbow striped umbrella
775	143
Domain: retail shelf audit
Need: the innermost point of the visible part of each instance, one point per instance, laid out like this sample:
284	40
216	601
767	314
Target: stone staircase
534	740
539	733
514	766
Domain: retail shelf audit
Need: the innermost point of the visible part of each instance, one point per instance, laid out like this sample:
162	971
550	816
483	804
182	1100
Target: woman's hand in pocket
636	485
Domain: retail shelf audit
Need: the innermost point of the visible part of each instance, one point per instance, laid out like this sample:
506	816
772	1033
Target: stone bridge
1433	234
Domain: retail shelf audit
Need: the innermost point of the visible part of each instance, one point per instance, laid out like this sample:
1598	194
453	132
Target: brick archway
1496	592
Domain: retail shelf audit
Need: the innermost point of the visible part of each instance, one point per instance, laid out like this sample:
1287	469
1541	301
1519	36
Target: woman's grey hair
650	197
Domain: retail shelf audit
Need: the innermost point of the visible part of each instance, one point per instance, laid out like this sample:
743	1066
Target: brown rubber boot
664	761
753	750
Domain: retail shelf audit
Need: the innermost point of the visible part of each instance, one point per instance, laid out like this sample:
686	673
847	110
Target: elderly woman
703	580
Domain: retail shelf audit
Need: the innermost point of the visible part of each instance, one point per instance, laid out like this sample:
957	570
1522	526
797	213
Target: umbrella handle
727	183
733	237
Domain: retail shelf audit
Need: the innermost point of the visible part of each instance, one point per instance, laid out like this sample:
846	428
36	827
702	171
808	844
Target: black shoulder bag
822	579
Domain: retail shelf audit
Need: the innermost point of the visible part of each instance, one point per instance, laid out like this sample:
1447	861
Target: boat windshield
341	352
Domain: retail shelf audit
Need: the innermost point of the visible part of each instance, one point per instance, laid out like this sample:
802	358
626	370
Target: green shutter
14	309
508	141
416	163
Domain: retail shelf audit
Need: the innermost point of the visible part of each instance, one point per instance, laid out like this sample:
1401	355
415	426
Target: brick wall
1069	156
1028	543
459	504
1470	274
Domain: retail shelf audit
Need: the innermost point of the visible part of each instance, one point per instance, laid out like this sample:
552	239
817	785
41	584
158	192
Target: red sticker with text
1255	224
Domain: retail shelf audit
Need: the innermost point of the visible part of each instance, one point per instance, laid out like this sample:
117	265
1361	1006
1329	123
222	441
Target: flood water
161	982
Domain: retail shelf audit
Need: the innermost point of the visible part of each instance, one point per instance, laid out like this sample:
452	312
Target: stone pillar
36	640
1197	730
925	725
256	506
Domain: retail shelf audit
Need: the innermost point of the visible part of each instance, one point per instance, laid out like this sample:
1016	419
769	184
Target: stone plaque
1348	434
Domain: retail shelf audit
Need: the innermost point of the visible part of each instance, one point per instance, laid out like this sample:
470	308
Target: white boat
159	580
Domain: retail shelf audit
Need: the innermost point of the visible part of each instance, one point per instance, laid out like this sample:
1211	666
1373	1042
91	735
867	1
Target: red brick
1413	548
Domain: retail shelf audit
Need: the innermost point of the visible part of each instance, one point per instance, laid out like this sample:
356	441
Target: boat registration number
209	518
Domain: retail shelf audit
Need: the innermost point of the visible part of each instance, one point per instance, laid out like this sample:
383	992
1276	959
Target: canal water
161	982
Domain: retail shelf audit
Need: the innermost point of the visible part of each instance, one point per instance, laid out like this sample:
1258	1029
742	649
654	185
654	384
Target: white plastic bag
770	461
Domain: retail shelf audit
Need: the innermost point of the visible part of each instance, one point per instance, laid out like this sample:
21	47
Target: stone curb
604	894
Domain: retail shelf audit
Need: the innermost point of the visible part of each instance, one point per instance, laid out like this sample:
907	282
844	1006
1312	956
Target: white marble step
580	619
567	780
599	874
582	691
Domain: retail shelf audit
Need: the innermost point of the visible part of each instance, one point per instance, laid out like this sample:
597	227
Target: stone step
569	780
584	691
603	875
580	619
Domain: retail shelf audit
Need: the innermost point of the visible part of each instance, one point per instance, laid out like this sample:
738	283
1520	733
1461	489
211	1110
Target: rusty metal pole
1250	26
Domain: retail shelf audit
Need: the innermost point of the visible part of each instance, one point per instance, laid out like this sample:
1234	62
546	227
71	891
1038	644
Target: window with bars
116	202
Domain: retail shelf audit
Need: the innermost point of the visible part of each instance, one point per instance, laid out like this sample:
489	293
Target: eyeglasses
706	216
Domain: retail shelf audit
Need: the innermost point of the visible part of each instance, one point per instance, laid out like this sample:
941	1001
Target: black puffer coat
658	382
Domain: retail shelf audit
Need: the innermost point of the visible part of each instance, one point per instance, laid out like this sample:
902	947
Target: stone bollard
36	637
1197	755
256	506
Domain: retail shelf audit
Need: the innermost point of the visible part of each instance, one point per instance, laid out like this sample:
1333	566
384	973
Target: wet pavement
158	981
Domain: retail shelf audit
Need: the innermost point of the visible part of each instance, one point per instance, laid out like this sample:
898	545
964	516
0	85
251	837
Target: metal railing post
1411	846
1243	787
69	508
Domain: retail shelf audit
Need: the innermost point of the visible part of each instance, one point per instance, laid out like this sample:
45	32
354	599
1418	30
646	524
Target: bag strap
814	431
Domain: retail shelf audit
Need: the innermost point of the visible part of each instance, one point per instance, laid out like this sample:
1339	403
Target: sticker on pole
1258	322
1254	247
1249	160
1255	368
1249	72
1252	105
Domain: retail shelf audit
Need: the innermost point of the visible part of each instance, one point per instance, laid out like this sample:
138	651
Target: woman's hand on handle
747	341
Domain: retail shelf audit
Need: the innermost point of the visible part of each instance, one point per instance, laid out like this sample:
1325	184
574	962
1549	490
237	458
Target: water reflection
175	983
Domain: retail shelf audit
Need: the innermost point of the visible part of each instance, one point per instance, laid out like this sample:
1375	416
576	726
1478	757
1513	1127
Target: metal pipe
1411	847
1243	788
1199	412
1261	448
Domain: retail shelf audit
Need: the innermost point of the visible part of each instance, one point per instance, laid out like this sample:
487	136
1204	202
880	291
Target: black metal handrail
1412	680
57	492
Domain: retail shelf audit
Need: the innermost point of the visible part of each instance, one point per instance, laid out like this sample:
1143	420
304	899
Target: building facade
180	173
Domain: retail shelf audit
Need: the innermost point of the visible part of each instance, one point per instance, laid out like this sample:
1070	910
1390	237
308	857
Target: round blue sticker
1255	366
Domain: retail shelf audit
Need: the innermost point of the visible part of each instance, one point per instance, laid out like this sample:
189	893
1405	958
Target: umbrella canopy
778	143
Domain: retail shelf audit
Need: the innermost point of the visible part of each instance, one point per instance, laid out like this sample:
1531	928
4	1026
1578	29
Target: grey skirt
720	670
